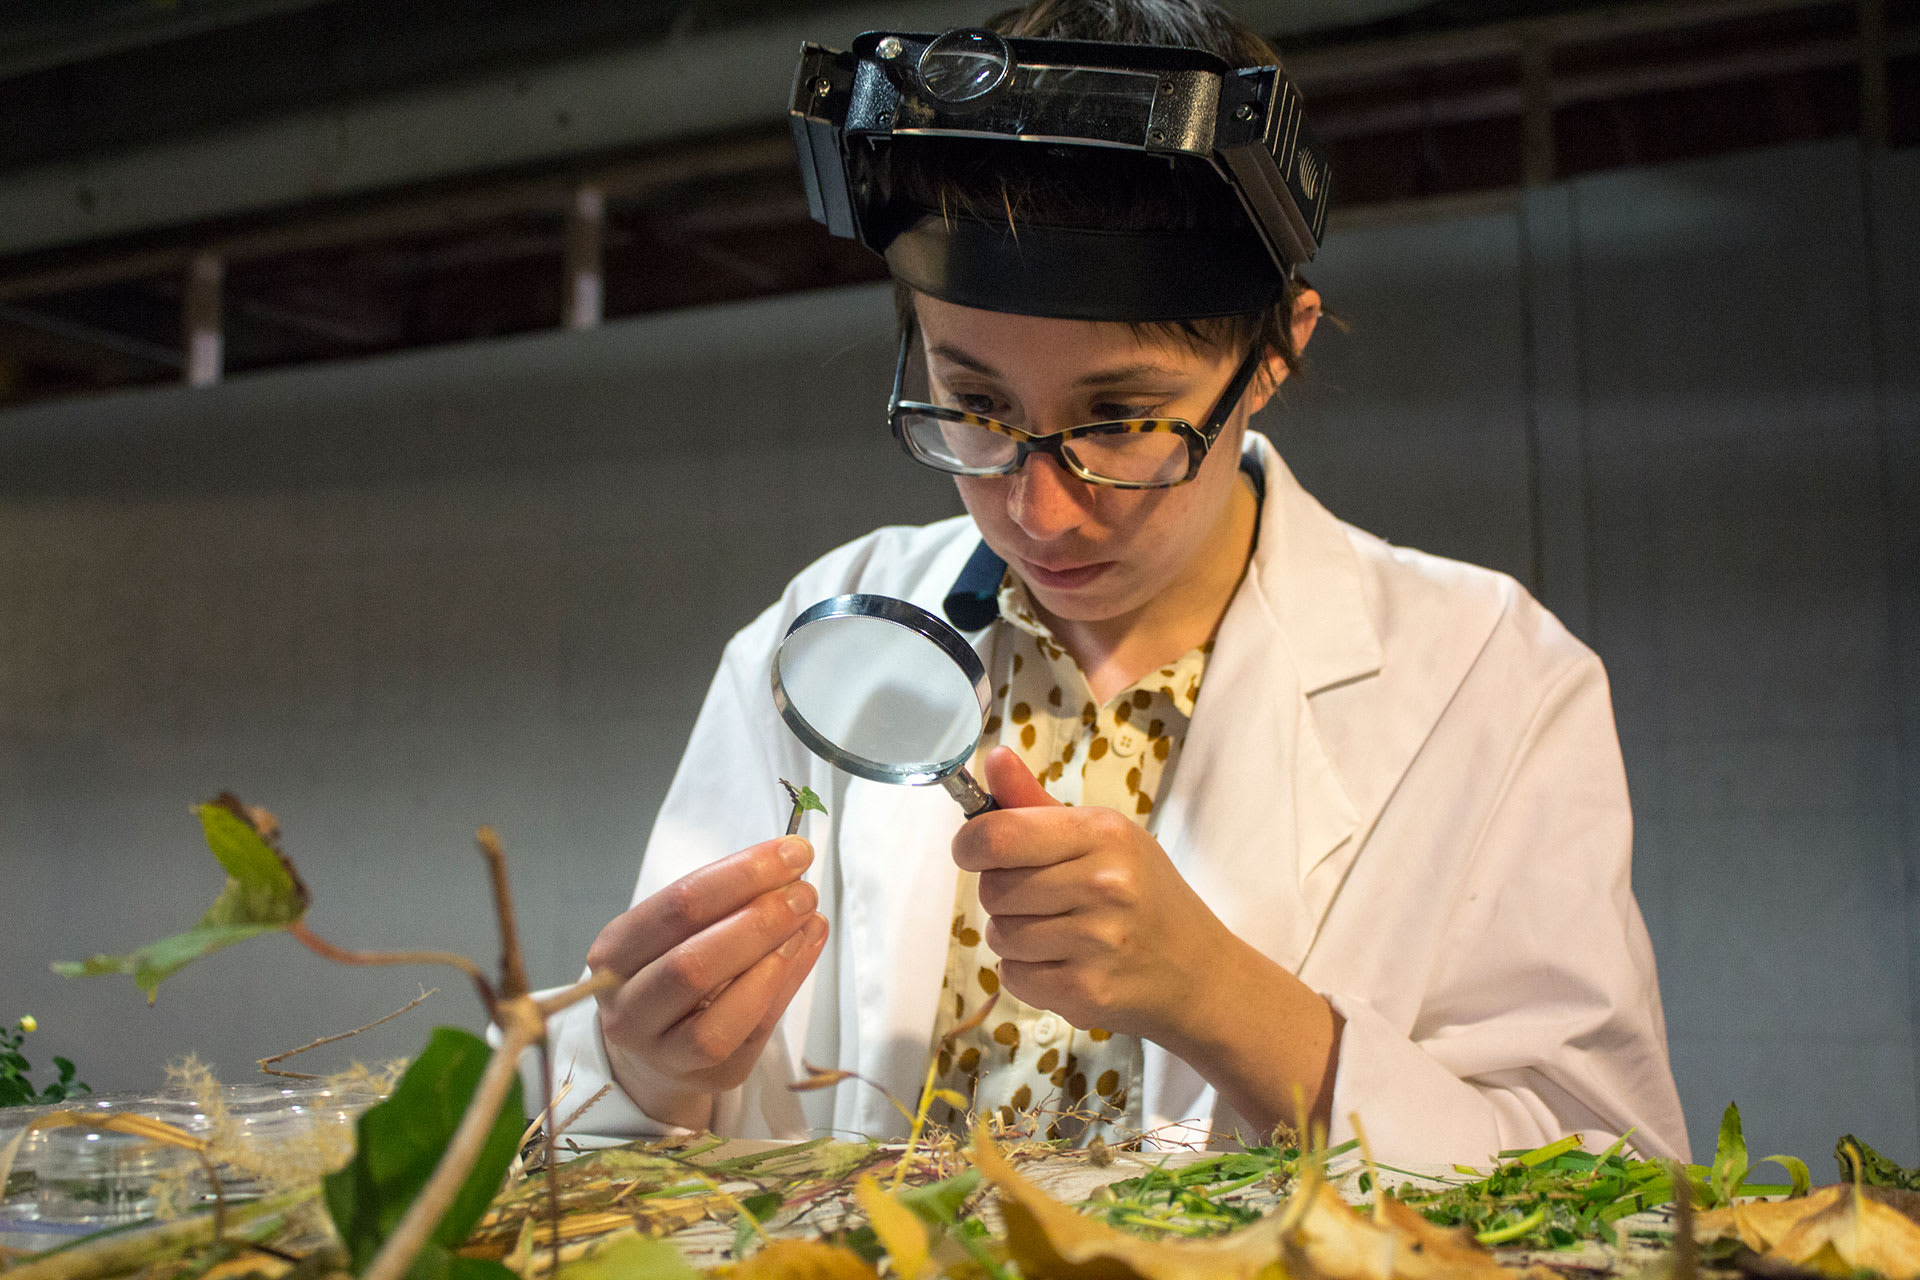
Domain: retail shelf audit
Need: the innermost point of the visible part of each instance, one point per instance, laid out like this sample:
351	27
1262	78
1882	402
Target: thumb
1012	783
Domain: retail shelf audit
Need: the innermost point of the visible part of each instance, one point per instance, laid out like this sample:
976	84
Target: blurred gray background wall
391	600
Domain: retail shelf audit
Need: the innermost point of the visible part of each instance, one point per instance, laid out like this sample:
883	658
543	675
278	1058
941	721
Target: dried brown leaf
819	1078
804	1260
1835	1230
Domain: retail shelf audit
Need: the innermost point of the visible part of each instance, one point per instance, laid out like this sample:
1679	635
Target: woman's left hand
1087	912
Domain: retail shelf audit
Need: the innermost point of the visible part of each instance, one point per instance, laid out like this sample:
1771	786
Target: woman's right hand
709	964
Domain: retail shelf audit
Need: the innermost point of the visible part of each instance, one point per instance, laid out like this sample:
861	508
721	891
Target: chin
1083	606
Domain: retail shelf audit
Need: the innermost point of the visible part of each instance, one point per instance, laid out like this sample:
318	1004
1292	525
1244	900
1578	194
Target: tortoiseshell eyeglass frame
1198	439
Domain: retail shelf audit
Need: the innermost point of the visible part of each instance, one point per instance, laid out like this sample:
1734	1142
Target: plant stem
513	971
346	955
522	1021
522	1026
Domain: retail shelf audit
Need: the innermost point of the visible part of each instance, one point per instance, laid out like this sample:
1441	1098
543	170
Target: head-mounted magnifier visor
1245	125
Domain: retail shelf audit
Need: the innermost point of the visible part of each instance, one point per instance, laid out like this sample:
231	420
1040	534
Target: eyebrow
1103	378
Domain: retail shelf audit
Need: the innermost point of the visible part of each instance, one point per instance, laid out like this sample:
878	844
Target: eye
977	402
1110	411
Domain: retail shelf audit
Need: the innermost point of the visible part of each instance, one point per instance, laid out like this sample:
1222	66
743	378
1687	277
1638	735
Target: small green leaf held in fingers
803	800
262	894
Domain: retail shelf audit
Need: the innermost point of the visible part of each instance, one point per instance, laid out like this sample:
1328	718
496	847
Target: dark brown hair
1054	186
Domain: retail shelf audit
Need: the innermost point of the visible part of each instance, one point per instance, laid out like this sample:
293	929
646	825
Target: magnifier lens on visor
965	66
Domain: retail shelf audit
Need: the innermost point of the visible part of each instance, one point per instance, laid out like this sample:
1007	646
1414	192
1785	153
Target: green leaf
1875	1169
631	1257
1729	1168
759	1207
1796	1169
805	799
401	1141
938	1203
1540	1155
437	1262
262	894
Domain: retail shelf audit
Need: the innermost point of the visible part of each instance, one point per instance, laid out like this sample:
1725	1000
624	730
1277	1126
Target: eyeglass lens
1129	457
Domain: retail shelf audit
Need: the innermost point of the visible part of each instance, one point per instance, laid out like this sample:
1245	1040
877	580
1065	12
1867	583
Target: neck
1116	652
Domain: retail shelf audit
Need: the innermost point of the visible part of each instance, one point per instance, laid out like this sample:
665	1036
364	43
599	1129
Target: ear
1306	316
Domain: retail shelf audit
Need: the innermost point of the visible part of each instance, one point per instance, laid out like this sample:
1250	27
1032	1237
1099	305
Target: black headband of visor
1244	127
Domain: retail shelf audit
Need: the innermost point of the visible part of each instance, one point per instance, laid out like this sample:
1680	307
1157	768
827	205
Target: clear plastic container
261	1136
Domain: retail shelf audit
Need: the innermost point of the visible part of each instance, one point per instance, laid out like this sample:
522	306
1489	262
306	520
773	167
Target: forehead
1016	344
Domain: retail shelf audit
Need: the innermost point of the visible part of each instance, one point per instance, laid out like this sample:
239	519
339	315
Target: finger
1033	891
1013	784
1036	939
700	968
740	1019
1025	838
664	920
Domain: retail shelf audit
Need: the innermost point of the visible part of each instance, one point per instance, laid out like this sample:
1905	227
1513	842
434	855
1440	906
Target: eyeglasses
1129	453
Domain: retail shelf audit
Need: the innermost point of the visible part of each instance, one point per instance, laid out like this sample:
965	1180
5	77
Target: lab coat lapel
1259	819
896	844
897	852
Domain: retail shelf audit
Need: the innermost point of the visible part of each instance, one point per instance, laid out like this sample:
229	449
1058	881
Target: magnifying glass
886	691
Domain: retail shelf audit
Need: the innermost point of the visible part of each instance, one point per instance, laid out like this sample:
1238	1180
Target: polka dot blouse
1030	1065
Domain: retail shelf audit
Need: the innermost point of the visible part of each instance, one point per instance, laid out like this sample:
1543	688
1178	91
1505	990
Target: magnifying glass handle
973	797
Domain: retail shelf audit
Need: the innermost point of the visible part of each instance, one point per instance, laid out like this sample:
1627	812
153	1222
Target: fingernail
791	947
800	897
795	852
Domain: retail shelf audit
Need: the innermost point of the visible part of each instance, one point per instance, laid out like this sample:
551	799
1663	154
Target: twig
522	1027
522	1022
513	970
346	955
409	1007
548	1155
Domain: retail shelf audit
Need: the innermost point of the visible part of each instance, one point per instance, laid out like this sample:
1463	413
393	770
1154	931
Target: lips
1063	577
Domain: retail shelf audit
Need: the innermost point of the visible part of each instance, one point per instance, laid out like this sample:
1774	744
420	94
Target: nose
1046	500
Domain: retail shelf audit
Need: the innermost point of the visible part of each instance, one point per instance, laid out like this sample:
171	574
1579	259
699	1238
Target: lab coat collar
1307	569
1256	768
1259	817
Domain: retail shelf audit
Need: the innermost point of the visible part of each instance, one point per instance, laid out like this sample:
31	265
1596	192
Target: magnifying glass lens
965	65
885	690
881	692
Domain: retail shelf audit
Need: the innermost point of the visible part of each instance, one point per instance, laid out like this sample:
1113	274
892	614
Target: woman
1292	821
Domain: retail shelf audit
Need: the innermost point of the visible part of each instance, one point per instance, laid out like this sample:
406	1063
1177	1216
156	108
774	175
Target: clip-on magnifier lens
966	66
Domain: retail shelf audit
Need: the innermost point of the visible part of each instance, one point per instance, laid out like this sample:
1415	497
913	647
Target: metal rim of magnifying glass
915	619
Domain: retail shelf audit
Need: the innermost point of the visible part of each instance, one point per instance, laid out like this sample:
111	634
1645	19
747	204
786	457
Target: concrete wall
396	599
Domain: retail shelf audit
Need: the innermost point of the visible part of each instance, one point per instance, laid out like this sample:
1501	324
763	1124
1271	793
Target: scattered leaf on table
938	1203
400	1142
262	894
899	1229
1049	1239
1875	1169
630	1256
804	1260
1834	1230
1331	1239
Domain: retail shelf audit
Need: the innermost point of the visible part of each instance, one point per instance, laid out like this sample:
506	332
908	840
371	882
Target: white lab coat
1401	781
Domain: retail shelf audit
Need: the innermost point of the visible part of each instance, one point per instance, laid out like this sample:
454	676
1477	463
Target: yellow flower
28	1024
